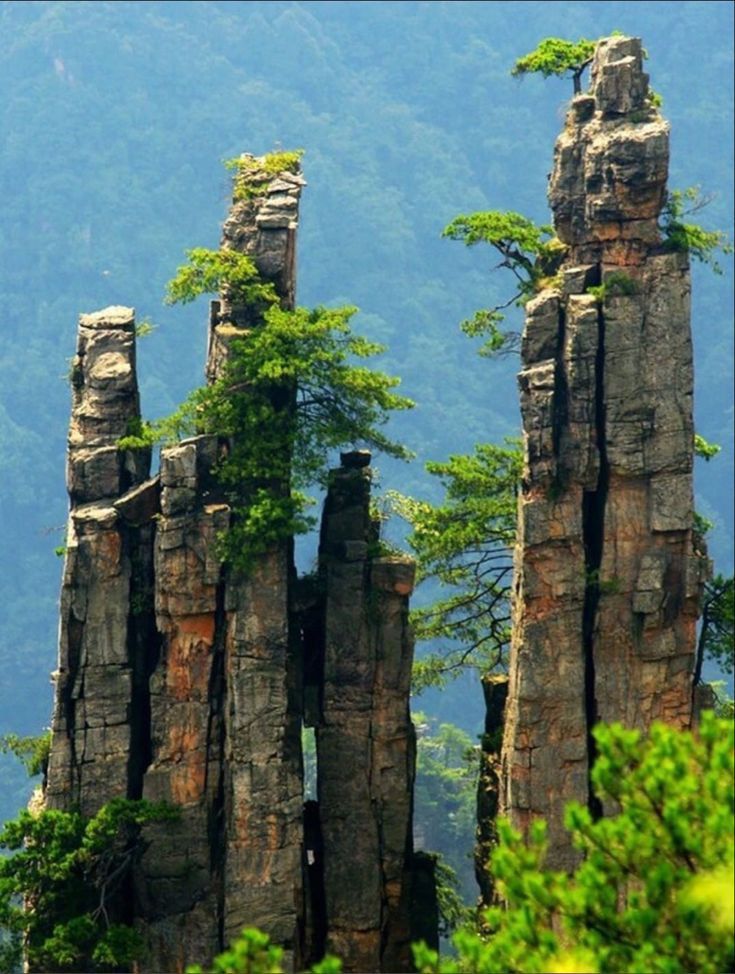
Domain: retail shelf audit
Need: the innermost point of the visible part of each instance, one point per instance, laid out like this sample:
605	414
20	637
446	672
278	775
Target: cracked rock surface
608	568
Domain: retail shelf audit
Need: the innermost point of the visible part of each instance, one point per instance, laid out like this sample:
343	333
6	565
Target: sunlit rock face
607	567
182	681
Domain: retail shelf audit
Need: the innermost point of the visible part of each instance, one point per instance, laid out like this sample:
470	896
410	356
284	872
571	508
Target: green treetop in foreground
60	889
655	890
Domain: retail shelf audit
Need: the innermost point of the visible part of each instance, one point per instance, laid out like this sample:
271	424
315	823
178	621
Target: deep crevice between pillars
316	940
309	623
74	635
593	532
216	817
144	649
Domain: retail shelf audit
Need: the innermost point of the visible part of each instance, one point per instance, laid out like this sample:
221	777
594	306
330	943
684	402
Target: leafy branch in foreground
530	252
254	953
654	892
60	887
464	546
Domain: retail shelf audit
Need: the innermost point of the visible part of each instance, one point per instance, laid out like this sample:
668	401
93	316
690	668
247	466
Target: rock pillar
97	709
186	681
365	738
608	570
226	707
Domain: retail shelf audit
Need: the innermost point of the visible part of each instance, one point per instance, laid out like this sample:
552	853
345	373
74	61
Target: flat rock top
116	316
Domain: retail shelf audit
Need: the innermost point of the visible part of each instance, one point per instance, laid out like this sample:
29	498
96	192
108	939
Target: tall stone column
95	708
365	739
185	681
608	568
179	883
225	706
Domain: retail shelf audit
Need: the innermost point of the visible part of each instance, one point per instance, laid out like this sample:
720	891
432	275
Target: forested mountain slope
114	121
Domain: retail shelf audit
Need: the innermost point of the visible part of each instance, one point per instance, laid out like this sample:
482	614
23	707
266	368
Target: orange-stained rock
607	579
95	719
181	680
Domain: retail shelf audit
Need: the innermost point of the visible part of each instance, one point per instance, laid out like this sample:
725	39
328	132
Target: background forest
115	120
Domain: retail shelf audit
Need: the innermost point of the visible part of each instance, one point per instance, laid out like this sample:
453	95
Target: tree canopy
556	56
464	546
692	238
291	392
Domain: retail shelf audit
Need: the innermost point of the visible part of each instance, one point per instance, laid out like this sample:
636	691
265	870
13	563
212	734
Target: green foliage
226	271
253	953
701	524
144	328
616	284
556	56
704	449
445	801
32	752
654	890
464	544
717	632
453	911
289	394
691	238
253	173
141	435
532	253
69	871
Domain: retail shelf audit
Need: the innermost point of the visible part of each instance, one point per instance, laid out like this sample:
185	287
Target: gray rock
607	573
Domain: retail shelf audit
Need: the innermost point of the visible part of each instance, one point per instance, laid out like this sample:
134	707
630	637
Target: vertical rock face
607	567
263	789
365	739
183	681
93	724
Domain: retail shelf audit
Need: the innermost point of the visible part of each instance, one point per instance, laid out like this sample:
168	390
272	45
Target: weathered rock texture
183	682
365	736
99	710
607	571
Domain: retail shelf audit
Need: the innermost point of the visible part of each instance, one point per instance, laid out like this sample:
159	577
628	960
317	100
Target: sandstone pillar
365	739
184	680
97	703
607	566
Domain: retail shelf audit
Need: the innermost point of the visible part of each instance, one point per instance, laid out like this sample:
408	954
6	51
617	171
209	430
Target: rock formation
183	681
607	566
